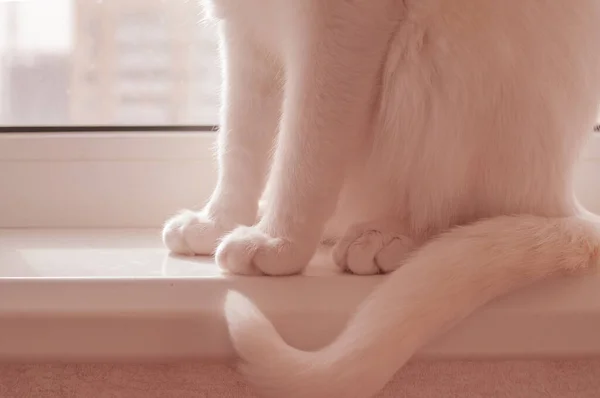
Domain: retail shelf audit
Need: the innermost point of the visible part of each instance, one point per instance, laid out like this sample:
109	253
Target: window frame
135	179
98	180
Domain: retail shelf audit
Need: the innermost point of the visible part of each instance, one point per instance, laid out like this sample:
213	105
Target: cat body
432	139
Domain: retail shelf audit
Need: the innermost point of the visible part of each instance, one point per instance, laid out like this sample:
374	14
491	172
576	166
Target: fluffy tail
441	284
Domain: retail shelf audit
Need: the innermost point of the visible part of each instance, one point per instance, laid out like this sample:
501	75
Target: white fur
433	137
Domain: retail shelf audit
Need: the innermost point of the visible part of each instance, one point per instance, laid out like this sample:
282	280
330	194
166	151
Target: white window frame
125	180
92	180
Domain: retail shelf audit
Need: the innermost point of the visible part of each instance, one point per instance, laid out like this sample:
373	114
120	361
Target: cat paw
251	251
369	249
192	233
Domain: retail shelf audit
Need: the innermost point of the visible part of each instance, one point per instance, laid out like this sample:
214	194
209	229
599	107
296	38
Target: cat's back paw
372	248
192	233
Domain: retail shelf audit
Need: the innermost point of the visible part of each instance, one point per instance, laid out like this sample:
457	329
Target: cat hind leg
373	248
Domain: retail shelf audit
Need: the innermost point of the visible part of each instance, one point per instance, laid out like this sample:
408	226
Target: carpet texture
510	379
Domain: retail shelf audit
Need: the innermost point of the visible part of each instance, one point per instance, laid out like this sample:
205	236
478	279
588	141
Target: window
106	112
111	62
108	105
125	93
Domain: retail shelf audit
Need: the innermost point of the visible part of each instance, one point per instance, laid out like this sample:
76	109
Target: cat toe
251	251
192	233
367	250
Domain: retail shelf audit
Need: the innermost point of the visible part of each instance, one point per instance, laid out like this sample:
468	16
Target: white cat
433	137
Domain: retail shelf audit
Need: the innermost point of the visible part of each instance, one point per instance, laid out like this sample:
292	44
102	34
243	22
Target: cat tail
441	284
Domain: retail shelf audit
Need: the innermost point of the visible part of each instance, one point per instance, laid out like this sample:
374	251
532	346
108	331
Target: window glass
106	62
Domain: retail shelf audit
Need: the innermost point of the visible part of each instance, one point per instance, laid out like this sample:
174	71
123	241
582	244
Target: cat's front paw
371	248
193	233
251	251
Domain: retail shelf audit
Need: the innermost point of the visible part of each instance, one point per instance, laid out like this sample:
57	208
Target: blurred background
106	62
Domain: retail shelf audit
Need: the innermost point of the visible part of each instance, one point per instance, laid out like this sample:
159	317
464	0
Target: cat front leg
332	70
249	119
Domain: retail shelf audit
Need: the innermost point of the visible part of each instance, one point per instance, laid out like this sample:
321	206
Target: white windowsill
79	295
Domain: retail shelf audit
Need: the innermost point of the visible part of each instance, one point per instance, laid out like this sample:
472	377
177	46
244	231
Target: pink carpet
514	379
